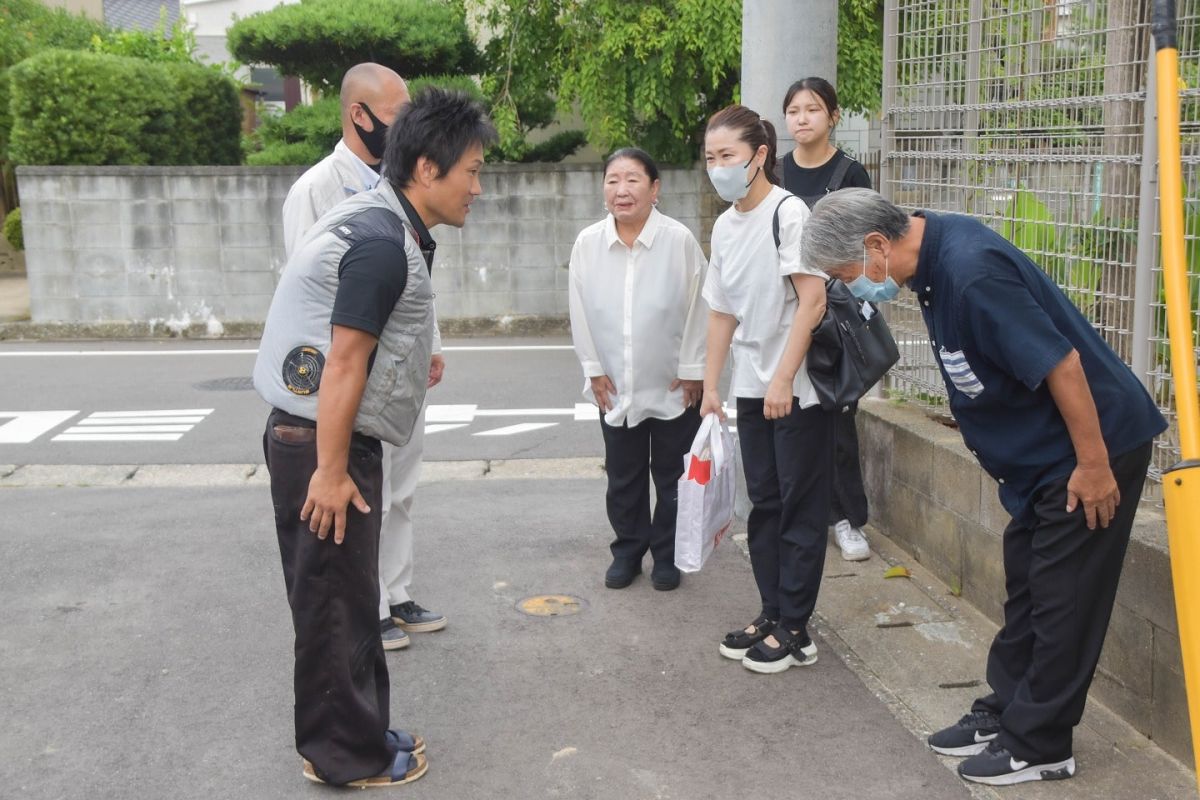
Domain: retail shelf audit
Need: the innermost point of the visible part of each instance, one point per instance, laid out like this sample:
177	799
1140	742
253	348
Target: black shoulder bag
849	353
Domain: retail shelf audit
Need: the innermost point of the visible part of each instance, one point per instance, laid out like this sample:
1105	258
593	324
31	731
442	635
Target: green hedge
319	40
88	108
13	231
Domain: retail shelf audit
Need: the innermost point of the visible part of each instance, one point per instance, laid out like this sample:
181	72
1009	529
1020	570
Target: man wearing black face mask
372	96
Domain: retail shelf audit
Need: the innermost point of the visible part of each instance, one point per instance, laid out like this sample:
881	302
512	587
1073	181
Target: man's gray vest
296	337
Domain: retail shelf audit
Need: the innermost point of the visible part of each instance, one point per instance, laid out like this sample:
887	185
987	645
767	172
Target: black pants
341	677
789	465
1061	580
849	497
653	447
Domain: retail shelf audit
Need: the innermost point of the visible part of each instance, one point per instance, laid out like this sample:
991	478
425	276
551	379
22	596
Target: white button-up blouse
637	315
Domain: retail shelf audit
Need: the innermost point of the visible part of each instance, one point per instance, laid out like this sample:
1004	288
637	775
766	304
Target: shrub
319	40
88	108
12	230
27	26
556	147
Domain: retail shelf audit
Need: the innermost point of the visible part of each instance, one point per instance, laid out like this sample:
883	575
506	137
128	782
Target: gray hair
840	221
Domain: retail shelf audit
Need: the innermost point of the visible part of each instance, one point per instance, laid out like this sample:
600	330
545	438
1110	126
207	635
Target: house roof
143	14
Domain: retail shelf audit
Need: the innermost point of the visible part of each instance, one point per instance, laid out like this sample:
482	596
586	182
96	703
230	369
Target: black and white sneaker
736	643
794	650
996	766
968	736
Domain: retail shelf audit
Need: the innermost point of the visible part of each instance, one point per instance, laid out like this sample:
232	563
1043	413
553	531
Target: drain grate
238	384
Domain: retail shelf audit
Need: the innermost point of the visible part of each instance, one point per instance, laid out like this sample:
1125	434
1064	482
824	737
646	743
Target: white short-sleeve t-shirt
748	279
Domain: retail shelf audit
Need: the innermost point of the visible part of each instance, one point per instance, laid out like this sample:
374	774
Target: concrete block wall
929	495
180	245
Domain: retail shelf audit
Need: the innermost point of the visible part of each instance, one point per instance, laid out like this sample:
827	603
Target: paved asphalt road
524	392
146	653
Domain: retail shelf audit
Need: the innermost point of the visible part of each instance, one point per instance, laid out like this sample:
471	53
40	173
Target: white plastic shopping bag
706	494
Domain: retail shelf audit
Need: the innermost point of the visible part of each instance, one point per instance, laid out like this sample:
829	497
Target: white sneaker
851	541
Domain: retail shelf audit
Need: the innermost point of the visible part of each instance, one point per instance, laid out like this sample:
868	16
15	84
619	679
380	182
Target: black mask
376	139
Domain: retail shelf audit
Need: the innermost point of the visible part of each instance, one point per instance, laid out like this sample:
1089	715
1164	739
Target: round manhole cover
550	605
238	384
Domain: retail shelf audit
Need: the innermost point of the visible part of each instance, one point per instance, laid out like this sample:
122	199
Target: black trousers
849	497
1061	580
789	466
653	447
341	677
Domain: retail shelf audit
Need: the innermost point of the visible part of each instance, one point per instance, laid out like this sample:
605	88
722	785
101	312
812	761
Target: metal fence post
887	143
1147	245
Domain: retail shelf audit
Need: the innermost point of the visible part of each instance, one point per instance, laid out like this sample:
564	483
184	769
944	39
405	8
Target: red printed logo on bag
700	471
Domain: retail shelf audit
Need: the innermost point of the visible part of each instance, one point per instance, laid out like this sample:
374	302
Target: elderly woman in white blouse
638	323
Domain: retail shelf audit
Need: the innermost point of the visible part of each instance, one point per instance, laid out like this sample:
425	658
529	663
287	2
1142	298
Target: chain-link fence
1034	116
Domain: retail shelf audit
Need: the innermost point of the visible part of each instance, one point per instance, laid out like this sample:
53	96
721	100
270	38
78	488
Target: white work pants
401	469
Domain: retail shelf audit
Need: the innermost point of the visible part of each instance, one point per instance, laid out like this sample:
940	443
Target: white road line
450	413
439	428
516	348
511	430
90	353
93	420
129	429
25	426
117	437
171	412
525	412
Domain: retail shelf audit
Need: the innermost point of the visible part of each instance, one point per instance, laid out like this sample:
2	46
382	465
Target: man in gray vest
372	95
344	362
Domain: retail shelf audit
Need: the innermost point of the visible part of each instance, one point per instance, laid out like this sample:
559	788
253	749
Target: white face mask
730	182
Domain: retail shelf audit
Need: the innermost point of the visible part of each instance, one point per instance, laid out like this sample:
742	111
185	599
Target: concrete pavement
146	653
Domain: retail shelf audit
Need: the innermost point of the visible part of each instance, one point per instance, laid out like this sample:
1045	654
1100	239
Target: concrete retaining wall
177	245
930	496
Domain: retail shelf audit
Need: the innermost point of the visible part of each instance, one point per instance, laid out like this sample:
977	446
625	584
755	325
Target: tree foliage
860	55
318	40
649	72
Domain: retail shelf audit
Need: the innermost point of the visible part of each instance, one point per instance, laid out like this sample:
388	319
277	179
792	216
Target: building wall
180	245
93	8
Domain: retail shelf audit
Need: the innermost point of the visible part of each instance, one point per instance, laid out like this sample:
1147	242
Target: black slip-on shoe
621	573
664	576
412	618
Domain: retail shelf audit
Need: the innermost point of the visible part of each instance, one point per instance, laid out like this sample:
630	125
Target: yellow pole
1181	484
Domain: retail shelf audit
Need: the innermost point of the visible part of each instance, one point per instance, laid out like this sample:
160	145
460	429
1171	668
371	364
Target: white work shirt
748	279
327	183
637	315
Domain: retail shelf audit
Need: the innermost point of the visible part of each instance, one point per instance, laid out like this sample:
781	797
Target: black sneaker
621	572
996	766
968	736
412	618
736	643
393	638
794	650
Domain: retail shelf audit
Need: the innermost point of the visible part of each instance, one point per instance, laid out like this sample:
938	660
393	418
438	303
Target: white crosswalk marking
522	427
162	425
439	428
23	427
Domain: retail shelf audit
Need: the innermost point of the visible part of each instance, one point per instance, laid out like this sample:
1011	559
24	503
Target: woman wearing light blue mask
764	304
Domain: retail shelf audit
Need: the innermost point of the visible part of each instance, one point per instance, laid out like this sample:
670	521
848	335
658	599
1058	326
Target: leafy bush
13	232
27	26
88	108
319	40
175	45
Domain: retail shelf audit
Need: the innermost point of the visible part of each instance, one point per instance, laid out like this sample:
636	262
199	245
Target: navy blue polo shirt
998	325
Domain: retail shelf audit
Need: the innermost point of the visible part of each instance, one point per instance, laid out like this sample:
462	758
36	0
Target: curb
160	476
